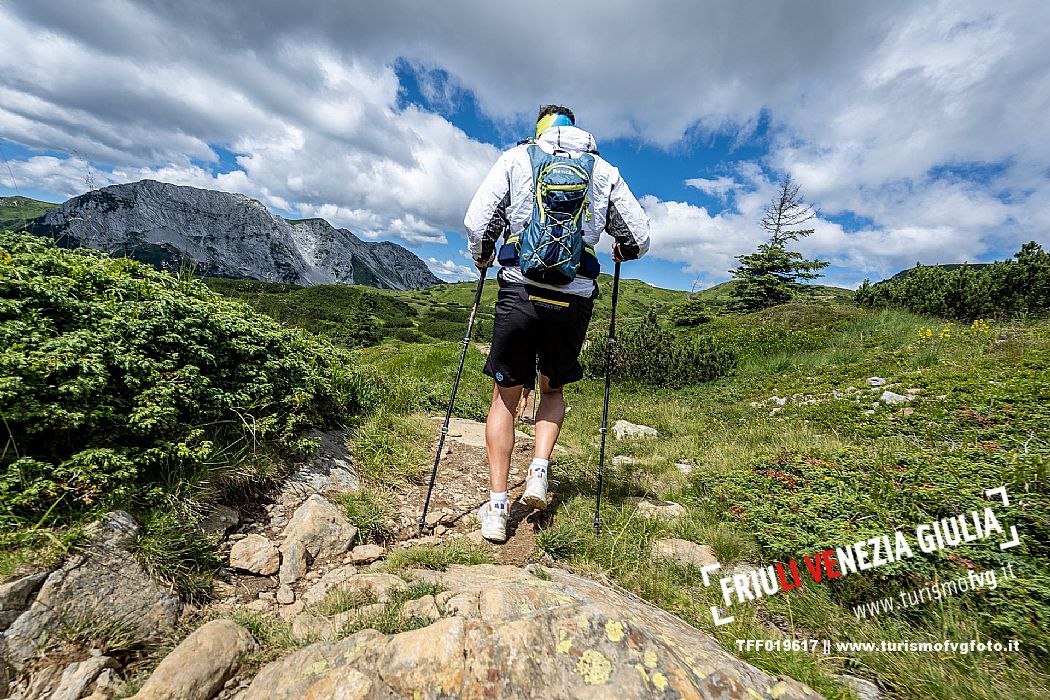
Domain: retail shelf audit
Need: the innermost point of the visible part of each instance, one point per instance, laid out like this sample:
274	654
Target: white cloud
451	271
718	187
871	108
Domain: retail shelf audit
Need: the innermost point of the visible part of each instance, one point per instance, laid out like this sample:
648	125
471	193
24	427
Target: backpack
550	248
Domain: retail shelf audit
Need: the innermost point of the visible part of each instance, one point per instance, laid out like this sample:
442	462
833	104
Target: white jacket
503	205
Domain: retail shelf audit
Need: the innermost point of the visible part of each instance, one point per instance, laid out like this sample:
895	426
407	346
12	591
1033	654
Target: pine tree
771	274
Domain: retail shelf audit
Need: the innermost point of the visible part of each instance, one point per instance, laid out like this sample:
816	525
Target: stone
876	381
516	635
863	689
330	468
907	410
367	553
424	608
621	460
78	677
653	508
285	595
256	555
321	527
624	430
104	582
889	397
433	518
295	561
684	552
15	597
221	519
684	467
377	586
199	666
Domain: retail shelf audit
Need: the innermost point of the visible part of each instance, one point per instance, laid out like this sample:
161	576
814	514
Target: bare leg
499	433
549	417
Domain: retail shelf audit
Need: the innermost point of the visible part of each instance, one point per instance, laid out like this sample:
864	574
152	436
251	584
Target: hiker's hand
616	253
484	264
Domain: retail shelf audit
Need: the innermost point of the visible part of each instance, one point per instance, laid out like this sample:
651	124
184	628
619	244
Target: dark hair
556	109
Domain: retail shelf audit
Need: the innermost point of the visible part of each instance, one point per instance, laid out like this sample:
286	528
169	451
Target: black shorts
536	323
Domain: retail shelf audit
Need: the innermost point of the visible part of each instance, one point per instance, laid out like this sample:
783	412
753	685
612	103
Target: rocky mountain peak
225	234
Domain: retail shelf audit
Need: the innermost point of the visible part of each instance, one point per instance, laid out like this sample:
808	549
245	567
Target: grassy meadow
769	482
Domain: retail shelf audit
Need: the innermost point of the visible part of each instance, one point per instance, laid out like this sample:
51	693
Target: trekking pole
452	400
605	403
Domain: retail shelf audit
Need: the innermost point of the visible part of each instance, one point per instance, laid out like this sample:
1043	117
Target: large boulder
508	633
104	584
256	555
198	667
321	527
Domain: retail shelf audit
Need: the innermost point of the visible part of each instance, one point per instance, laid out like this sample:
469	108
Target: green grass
389	448
820	474
16	211
439	557
368	510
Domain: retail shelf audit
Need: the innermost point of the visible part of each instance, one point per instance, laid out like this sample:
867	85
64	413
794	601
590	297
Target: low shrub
646	353
117	382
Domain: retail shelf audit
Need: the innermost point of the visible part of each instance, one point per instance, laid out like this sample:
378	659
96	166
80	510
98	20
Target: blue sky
917	131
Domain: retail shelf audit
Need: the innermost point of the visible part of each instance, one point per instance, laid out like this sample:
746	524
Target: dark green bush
691	313
646	353
1002	288
118	381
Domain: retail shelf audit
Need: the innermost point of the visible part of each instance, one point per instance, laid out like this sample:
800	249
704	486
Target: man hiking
550	198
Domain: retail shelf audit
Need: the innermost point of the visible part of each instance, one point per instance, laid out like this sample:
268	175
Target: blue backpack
550	249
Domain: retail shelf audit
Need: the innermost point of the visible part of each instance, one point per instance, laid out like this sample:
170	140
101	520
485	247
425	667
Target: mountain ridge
226	234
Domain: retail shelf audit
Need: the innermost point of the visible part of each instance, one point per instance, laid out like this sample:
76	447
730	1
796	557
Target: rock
330	468
285	595
329	582
907	410
864	689
888	397
433	518
221	519
256	555
230	235
375	586
684	467
621	460
16	595
294	561
321	527
623	430
876	381
778	400
522	636
653	508
105	582
77	677
684	552
198	667
424	608
367	553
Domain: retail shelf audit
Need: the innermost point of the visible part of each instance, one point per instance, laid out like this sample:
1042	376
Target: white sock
539	466
498	499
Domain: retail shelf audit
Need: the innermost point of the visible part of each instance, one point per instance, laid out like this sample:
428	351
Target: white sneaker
535	495
493	522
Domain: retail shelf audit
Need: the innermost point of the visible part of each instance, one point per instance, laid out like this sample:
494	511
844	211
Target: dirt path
462	486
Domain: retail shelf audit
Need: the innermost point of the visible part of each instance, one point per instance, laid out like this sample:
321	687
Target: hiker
546	281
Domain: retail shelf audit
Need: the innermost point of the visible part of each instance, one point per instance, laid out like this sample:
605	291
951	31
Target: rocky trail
351	625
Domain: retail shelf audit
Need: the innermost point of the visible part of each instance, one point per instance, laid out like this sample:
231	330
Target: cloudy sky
919	130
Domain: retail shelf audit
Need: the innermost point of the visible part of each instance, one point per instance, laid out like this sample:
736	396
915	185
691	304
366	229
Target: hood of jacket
568	138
